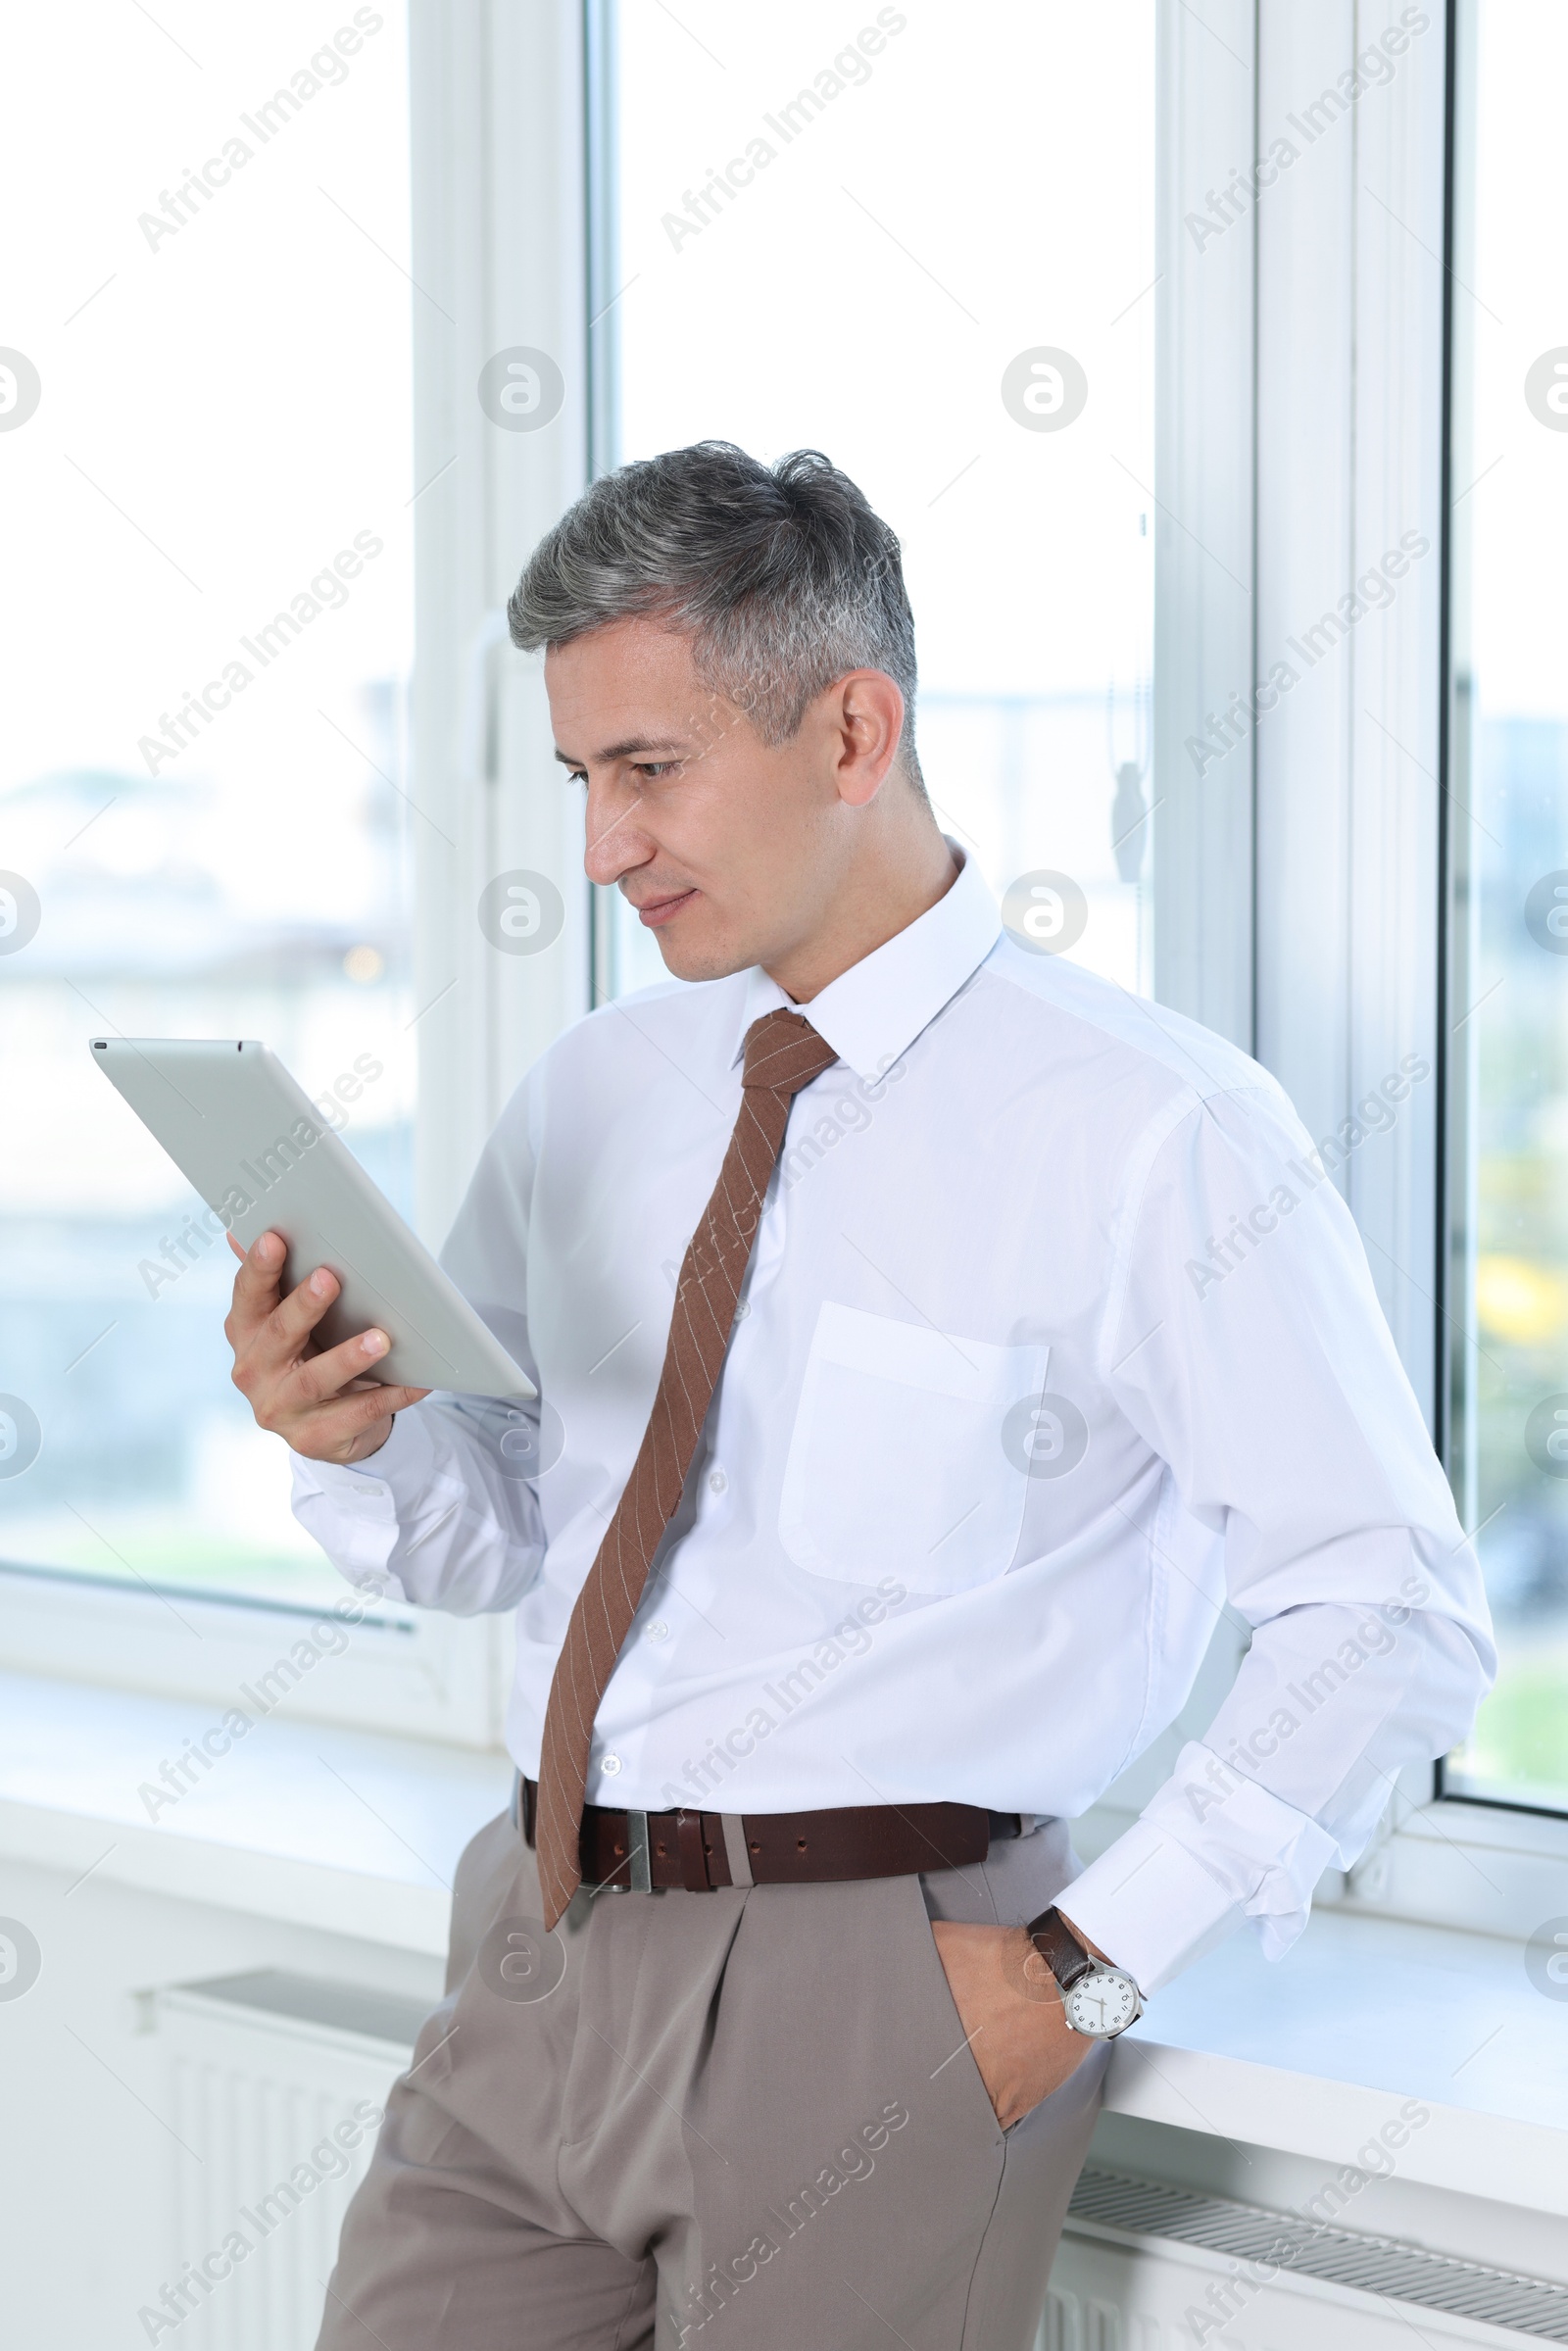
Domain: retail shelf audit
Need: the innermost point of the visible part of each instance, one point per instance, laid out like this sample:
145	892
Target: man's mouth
653	912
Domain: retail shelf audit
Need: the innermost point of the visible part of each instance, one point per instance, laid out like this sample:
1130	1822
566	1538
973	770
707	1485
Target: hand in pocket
1010	2010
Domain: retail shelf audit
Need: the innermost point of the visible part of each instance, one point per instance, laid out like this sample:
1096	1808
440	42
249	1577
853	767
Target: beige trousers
737	2120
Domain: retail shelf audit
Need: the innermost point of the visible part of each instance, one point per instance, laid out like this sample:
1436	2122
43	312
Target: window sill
352	1832
408	1672
1313	2056
358	1834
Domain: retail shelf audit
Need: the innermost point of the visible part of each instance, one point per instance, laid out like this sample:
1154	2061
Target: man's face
731	851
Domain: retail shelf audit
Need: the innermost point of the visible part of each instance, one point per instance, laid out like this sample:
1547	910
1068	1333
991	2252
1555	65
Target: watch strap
1060	1947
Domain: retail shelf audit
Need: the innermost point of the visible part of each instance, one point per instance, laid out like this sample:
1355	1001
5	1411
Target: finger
296	1316
236	1246
316	1379
390	1399
393	1399
256	1285
349	1413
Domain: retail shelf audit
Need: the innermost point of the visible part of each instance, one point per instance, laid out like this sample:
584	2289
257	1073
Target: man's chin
689	956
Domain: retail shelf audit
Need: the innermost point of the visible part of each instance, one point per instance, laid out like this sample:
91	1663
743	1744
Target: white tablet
238	1127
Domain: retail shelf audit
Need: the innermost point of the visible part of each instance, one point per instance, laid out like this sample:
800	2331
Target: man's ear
867	709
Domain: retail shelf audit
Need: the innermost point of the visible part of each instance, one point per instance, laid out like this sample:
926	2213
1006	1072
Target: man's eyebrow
634	746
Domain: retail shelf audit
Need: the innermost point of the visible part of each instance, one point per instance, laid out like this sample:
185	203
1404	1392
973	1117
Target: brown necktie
783	1053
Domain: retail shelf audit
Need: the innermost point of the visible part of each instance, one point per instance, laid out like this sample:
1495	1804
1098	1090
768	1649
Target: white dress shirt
1055	1343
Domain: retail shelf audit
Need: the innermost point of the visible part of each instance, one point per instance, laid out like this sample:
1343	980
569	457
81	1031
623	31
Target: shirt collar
873	1013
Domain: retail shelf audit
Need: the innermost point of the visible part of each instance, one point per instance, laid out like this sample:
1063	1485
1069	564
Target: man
932	1341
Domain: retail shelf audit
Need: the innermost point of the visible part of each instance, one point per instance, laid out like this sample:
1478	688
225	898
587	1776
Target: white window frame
1302	426
1204	530
499	178
1350	426
497	139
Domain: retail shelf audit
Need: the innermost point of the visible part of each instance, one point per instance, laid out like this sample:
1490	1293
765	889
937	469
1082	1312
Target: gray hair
783	577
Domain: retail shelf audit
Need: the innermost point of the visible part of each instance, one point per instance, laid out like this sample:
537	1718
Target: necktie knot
784	1052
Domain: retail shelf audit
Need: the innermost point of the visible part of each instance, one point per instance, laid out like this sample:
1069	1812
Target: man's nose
612	840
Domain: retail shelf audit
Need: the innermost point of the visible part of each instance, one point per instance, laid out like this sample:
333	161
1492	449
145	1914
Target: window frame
1206	532
1439	1857
1459	907
403	1669
498	141
1353	952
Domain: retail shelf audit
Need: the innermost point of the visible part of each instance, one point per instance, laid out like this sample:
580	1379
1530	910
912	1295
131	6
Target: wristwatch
1100	2002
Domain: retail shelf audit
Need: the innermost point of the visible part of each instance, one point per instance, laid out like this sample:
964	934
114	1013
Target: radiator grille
1374	2265
260	2072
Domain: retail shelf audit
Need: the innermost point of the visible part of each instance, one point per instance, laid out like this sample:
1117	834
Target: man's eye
656	767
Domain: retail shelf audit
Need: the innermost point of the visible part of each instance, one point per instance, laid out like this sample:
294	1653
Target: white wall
86	2166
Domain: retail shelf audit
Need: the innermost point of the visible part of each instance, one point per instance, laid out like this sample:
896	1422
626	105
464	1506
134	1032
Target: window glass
923	242
205	454
1508	818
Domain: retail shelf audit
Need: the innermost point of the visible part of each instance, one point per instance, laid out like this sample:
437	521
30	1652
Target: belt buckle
640	1858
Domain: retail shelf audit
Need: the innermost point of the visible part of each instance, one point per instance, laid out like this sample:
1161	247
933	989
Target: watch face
1102	2003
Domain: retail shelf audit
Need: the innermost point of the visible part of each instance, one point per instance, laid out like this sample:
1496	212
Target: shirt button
610	1765
717	1481
658	1629
743	1309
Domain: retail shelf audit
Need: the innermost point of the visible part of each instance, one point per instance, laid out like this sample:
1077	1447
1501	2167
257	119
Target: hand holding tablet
348	1271
328	1405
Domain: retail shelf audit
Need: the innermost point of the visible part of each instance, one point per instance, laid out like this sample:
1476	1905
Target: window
1507	816
845	230
204	814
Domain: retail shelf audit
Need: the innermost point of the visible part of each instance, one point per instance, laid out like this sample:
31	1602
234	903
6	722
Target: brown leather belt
645	1851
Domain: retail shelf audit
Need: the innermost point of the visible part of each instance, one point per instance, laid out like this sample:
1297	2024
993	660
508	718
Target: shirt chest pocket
898	1463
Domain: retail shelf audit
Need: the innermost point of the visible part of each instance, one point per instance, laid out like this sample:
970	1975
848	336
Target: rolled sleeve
435	1517
1262	1372
1158	1898
355	1511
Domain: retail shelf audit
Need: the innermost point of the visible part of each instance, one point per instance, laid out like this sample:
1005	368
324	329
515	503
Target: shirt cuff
355	1510
1210	1848
396	1476
1150	1905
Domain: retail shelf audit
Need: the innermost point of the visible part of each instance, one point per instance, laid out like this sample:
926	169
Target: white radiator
1144	2267
273	2083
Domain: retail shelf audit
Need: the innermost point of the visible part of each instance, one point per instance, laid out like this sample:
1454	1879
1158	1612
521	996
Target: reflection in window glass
847	233
1509	1016
208	606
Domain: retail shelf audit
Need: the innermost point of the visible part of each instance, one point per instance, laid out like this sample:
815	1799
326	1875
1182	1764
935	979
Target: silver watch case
1102	2003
